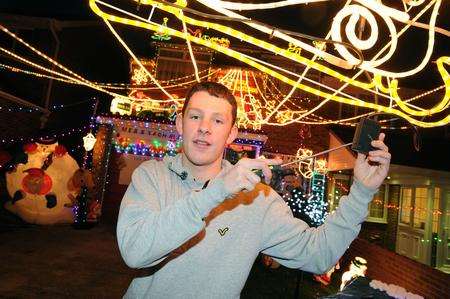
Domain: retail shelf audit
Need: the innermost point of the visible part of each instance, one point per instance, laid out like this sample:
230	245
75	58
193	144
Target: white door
411	240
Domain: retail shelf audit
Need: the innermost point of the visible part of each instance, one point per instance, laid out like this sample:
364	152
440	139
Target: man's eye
219	121
194	117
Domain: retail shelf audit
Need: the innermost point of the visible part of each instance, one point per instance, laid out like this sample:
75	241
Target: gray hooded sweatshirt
199	242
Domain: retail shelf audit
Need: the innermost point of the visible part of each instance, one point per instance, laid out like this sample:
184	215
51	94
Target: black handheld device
278	173
366	131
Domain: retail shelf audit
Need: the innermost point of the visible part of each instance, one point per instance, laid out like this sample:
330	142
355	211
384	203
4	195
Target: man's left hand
371	170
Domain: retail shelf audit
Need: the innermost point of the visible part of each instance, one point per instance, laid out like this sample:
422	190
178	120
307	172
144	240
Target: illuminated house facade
411	212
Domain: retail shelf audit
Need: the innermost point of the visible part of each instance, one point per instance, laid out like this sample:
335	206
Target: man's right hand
241	176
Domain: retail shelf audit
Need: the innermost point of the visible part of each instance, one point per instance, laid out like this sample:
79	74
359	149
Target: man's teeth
201	142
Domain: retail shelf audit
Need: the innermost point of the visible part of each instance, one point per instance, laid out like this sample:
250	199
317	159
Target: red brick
393	268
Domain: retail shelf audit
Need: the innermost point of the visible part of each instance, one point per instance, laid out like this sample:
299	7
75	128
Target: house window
420	208
341	186
414	207
378	206
406	205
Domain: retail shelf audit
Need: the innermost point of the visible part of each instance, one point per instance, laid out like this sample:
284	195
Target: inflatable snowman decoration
358	267
39	188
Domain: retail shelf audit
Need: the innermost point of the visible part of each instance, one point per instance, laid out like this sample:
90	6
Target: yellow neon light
148	103
252	63
234	33
444	104
385	11
191	54
144	19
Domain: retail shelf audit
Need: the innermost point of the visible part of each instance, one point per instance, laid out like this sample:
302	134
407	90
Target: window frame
412	213
384	219
333	204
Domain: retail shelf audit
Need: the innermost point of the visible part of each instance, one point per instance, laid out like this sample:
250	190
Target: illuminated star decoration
322	46
139	76
305	166
162	34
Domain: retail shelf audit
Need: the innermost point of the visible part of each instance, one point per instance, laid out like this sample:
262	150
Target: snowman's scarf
48	161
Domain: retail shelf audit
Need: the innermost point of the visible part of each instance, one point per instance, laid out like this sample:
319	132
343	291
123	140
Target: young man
199	222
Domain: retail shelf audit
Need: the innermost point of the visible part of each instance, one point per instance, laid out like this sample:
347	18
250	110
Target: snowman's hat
46	140
46	137
359	261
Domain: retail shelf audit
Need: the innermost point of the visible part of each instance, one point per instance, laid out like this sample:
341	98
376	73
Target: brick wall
392	217
375	233
390	267
287	140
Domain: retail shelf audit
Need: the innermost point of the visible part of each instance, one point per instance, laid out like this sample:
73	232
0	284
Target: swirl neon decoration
391	90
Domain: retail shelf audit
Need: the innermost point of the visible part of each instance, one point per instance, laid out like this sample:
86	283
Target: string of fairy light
167	83
62	133
434	212
72	77
124	86
381	203
259	91
52	108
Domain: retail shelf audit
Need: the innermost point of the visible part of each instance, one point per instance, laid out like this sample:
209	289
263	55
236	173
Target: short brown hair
215	89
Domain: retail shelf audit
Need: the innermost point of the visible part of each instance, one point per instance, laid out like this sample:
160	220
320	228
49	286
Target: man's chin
200	160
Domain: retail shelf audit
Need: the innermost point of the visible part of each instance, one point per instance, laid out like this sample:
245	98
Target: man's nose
205	127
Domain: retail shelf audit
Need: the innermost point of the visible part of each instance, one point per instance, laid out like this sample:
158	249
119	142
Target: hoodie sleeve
296	245
147	231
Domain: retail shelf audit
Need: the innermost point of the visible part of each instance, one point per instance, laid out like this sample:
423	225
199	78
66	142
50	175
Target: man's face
206	127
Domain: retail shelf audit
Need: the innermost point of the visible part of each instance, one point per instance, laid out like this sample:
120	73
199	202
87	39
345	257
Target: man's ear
233	134
179	123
